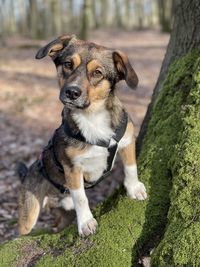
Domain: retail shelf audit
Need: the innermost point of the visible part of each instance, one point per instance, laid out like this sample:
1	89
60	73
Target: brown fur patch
92	65
73	152
73	177
76	60
115	108
101	91
127	153
29	209
54	49
129	129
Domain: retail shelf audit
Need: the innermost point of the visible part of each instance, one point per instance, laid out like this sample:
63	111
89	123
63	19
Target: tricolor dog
94	128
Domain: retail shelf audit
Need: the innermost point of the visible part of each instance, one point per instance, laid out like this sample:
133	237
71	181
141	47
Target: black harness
111	145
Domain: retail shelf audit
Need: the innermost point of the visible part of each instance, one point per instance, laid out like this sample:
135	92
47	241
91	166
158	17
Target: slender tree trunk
139	13
86	19
56	17
2	22
70	13
118	16
154	14
127	14
12	19
96	17
104	13
165	14
33	16
23	27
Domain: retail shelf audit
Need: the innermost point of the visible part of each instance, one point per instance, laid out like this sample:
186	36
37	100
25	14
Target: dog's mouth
74	105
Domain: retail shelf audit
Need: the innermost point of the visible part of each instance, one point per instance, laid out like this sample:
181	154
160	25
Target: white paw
88	228
137	191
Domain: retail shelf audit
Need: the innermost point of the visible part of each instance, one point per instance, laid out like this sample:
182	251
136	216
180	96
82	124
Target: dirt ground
30	109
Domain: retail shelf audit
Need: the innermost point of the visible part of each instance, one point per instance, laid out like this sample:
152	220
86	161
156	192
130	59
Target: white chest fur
93	162
94	126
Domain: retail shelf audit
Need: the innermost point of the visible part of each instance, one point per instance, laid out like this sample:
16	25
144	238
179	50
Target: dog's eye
97	74
67	65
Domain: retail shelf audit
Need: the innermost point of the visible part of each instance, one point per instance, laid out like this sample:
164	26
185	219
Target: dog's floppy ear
54	46
124	69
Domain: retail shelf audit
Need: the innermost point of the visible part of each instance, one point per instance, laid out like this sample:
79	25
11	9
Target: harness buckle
64	190
112	143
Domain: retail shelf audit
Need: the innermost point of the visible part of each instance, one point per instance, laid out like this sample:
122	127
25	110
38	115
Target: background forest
46	18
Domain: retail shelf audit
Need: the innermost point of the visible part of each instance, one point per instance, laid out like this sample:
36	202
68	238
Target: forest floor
30	109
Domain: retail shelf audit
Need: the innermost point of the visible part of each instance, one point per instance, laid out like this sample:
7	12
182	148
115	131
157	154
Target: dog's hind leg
30	203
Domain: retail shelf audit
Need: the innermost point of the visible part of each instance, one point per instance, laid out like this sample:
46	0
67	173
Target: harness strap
56	161
112	147
61	188
110	160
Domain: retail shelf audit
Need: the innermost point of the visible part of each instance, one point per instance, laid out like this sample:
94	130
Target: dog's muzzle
72	97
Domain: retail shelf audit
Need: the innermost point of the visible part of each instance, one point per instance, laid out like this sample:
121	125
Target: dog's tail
22	171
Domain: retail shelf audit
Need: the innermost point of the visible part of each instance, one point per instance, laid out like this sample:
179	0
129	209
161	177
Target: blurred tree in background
47	18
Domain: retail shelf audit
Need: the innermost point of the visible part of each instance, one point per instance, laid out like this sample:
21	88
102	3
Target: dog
95	126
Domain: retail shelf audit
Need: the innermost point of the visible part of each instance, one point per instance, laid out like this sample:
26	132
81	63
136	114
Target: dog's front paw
88	228
137	191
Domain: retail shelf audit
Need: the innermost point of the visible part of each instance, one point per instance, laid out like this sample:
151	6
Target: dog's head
87	72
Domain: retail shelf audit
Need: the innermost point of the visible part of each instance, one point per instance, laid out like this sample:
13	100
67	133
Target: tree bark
184	37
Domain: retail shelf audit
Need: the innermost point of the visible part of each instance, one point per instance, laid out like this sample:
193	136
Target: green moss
8	257
180	245
169	166
106	244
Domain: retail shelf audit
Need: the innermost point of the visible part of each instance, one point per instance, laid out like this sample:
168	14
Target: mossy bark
185	36
169	165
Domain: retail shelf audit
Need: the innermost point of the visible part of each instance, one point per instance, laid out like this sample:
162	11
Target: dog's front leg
135	189
86	222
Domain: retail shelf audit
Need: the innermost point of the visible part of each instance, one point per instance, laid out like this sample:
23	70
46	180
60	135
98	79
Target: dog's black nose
72	92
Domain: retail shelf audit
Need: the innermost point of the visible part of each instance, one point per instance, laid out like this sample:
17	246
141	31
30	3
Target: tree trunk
169	165
86	19
139	13
96	15
184	37
127	16
104	13
2	22
23	27
165	14
33	13
118	17
154	20
56	17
